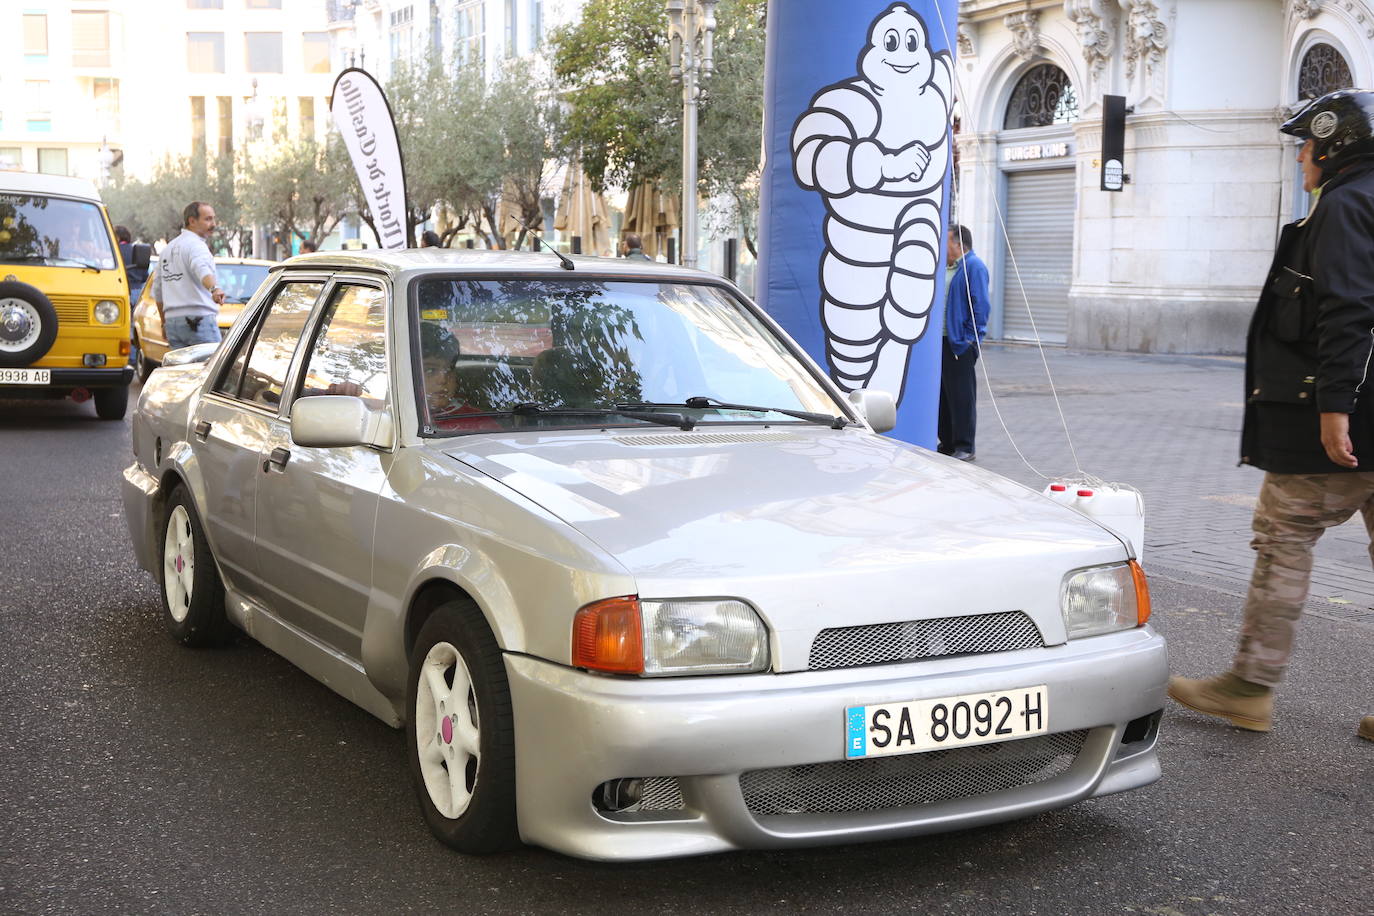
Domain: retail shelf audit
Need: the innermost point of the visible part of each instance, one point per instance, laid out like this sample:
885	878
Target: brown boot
1243	704
1366	728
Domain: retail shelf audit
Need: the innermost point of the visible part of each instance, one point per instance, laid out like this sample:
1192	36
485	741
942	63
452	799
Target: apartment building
106	84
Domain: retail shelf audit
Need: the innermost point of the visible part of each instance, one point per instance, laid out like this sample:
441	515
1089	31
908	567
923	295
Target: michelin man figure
877	147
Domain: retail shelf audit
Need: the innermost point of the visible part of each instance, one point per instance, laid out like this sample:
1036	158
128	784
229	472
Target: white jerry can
1118	508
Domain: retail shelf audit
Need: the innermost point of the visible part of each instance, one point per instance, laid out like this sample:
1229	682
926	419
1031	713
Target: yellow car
64	299
238	277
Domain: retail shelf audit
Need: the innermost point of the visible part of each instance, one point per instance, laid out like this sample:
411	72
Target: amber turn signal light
608	636
1142	593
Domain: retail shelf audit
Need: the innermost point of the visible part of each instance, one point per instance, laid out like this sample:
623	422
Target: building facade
1173	261
101	84
377	35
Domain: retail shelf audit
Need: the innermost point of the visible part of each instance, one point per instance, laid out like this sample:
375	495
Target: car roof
407	261
59	185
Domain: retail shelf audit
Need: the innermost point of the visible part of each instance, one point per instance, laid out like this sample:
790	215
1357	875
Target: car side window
264	373
349	355
232	377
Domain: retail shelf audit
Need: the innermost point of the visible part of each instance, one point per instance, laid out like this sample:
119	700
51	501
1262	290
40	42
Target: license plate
25	376
930	725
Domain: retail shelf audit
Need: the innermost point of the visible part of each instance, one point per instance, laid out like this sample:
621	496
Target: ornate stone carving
1025	32
1307	8
1147	37
968	34
1096	29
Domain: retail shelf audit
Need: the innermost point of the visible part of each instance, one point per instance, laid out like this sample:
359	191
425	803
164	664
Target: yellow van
64	300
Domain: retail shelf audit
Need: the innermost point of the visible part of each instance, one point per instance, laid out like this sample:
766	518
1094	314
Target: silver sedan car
635	578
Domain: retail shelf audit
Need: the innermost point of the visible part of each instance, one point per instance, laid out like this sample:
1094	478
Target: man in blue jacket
966	323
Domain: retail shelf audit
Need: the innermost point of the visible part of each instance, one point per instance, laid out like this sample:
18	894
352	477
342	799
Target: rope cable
1025	300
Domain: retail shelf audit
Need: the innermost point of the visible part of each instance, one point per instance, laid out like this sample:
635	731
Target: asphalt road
140	777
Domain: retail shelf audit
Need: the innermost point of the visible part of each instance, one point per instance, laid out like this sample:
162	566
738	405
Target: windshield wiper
531	408
701	403
26	258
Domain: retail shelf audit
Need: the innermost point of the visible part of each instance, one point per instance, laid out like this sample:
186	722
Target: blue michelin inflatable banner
855	192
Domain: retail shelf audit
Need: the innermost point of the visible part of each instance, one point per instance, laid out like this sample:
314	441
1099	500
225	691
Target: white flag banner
362	115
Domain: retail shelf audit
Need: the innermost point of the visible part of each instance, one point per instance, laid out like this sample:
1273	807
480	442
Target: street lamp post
691	25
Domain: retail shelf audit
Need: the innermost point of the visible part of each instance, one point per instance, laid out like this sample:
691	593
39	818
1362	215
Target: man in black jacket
1308	419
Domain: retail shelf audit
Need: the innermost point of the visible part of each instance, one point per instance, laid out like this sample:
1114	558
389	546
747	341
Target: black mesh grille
907	781
873	644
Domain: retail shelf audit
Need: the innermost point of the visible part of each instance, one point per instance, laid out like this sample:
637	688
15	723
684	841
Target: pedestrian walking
966	324
1307	425
184	287
429	239
634	247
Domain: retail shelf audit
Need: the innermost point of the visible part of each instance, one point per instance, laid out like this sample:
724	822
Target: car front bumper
575	731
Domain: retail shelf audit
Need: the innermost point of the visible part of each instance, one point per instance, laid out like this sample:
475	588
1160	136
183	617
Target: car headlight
1103	599
107	311
661	638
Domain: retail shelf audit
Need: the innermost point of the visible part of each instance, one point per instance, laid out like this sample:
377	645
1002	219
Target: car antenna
567	261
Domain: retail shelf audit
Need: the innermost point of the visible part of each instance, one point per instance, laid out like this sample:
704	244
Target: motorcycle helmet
1340	124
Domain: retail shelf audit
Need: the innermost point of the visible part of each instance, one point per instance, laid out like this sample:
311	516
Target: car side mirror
335	420
877	407
185	356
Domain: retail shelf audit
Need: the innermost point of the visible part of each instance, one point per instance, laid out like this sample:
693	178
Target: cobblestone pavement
1170	427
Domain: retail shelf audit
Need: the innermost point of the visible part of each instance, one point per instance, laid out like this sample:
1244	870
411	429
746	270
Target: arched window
1323	70
1042	97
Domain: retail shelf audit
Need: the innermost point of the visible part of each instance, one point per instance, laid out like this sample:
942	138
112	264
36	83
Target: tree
625	112
522	113
153	209
301	189
731	134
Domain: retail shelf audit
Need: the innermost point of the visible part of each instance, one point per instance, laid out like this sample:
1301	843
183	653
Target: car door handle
203	430
277	459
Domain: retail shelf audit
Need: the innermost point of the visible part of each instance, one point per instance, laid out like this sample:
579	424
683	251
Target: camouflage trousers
1293	511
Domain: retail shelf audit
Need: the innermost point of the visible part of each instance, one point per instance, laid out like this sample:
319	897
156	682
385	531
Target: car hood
816	528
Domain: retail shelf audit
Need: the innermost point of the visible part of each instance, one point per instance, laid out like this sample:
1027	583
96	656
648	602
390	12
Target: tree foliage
152	210
300	189
472	145
732	117
625	113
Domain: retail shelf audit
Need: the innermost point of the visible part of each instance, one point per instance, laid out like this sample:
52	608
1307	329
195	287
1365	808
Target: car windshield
53	231
240	281
489	347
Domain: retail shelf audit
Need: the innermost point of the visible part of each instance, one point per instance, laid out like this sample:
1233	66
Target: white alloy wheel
447	729
178	563
20	324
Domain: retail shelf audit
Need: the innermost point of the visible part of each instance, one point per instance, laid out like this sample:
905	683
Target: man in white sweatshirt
184	286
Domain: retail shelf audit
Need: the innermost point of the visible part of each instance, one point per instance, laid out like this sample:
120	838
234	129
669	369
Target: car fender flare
180	466
385	652
460	565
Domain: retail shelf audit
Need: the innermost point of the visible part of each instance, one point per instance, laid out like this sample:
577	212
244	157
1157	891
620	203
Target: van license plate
932	725
25	376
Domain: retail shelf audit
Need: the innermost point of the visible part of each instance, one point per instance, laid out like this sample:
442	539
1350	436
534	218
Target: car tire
192	593
143	366
28	324
112	403
462	754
